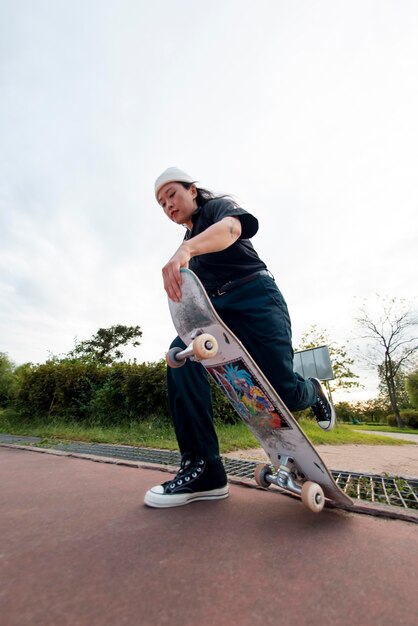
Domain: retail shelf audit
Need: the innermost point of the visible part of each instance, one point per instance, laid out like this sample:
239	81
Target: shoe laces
189	470
320	408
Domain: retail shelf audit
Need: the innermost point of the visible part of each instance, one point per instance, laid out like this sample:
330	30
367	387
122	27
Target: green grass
148	434
152	434
384	428
344	434
238	437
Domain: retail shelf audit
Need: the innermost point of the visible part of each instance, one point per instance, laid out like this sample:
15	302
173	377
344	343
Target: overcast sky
306	111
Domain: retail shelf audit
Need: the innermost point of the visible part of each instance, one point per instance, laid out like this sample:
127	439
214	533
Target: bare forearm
217	237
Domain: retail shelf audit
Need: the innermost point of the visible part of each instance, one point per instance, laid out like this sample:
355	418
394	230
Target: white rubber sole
328	425
158	500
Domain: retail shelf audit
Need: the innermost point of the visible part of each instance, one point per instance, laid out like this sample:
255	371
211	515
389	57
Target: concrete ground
78	547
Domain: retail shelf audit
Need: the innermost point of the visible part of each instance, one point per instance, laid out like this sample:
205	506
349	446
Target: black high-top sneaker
196	480
323	409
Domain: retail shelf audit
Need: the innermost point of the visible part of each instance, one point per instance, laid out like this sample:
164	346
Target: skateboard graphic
295	465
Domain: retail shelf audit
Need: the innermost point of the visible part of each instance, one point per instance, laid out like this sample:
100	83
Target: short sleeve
219	208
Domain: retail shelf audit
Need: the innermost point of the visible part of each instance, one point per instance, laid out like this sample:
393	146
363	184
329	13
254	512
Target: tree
104	346
400	387
412	388
344	378
392	342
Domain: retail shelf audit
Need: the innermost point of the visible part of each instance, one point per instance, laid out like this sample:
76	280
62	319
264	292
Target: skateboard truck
203	346
311	493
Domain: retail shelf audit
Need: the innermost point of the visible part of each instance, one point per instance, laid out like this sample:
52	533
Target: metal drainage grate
392	490
233	467
395	491
128	453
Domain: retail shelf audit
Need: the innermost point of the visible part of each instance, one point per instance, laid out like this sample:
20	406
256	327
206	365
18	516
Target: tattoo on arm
233	231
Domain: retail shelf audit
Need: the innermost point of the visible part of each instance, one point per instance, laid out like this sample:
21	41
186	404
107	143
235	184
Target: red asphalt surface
78	547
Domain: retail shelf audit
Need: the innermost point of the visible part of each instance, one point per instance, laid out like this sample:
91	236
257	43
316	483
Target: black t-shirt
239	260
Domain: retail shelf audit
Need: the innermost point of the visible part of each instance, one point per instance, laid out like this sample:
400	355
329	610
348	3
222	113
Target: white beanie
171	175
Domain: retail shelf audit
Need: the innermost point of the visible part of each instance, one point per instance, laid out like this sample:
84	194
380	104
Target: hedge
409	418
80	391
87	392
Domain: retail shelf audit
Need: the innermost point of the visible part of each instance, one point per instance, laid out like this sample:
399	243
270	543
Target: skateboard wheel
313	496
205	346
170	357
260	473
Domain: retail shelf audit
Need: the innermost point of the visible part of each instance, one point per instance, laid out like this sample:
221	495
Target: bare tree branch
390	346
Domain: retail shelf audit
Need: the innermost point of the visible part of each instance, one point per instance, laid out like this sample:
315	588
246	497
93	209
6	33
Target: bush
80	391
62	389
347	412
409	418
145	389
8	380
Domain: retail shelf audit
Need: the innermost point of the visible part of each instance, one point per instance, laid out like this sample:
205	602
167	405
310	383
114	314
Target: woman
217	248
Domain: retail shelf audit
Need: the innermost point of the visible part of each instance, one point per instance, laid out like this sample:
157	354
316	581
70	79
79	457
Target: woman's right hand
171	272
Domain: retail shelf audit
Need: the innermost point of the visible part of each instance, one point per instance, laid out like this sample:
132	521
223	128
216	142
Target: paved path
78	548
392	460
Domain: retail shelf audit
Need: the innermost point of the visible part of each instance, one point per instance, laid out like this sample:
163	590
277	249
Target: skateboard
294	466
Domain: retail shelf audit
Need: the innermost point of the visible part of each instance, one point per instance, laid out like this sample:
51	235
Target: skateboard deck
294	460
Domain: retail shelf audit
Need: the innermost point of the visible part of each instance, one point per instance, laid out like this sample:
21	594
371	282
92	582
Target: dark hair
204	195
